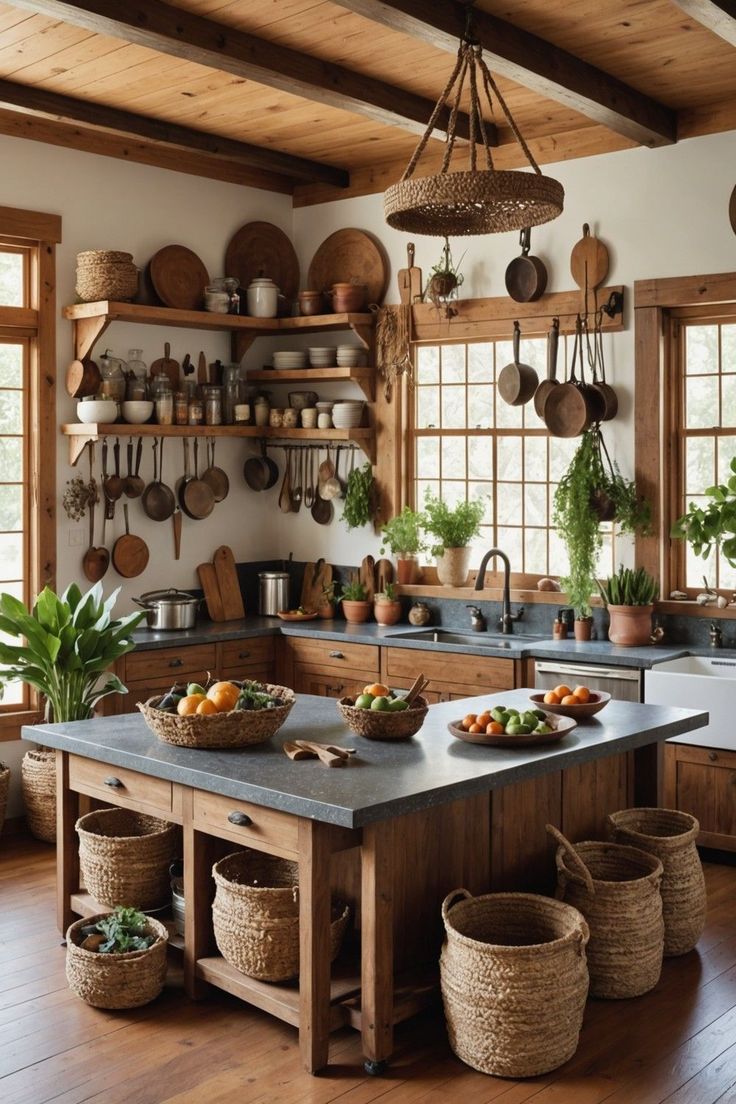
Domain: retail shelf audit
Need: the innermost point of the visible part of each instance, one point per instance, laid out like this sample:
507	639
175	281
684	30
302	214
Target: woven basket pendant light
479	200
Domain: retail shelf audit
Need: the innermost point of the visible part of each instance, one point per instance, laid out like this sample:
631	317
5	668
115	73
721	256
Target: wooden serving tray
560	726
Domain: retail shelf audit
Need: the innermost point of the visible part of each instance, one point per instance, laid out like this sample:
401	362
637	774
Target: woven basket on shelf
255	915
617	890
106	274
116	980
375	725
125	856
237	728
670	835
4	788
103	256
38	786
514	981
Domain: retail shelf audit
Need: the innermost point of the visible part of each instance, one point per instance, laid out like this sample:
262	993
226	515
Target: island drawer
485	672
120	786
335	653
242	822
170	663
247	653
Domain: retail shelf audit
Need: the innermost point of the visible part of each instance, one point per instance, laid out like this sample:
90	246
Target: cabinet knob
336	655
712	755
243	655
336	689
113	782
178	662
241	819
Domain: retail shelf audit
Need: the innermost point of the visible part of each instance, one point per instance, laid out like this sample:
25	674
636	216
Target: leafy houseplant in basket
355	604
453	530
630	597
386	606
403	535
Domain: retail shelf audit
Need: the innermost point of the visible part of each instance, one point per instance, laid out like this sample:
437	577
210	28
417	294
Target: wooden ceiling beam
532	62
182	34
718	17
38	101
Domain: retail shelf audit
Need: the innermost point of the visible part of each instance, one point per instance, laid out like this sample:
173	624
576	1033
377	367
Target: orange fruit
188	705
224	696
469	720
582	693
562	691
483	719
495	728
476	728
551	698
377	690
570	699
206	708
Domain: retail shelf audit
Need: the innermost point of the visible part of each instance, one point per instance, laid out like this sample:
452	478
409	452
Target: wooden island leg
198	894
67	851
314	943
377	945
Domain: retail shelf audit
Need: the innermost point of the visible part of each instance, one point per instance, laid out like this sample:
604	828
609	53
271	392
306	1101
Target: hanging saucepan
566	412
197	498
548	384
214	476
158	500
526	277
260	472
608	397
517	382
593	397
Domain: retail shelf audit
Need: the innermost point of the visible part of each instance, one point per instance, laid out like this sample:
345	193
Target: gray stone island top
382	780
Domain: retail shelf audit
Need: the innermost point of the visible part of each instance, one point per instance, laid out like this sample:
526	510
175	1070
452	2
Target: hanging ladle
96	560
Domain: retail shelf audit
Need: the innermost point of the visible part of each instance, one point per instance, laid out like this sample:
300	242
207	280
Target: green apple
195	688
364	701
398	705
381	705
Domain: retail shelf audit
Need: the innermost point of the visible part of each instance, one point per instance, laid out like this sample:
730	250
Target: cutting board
211	588
316	577
227	580
168	366
367	576
384	575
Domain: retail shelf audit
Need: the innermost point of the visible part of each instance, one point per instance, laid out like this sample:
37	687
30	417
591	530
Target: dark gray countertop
384	779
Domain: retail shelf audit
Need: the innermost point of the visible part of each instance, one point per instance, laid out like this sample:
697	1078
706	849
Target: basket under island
392	833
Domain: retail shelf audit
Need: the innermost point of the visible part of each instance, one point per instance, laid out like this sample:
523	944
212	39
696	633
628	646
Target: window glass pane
453	363
480	362
11	459
428	456
11	365
726	453
480	406
453	407
11	556
509	457
728	400
11	507
509	507
535	458
535	551
428	407
480	457
700	464
453	458
428	364
701	349
535	504
728	348
701	402
12	282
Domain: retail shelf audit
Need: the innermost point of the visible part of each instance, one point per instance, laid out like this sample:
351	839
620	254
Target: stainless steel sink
471	639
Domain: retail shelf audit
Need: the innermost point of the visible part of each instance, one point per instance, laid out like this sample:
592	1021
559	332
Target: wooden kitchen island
396	830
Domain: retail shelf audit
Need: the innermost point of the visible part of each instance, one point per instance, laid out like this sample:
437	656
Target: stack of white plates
322	356
296	358
347	415
350	356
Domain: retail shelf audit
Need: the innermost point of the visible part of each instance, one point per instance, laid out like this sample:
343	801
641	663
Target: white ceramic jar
324	420
263	298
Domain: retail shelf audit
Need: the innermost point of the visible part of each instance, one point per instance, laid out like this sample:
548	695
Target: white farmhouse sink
698	682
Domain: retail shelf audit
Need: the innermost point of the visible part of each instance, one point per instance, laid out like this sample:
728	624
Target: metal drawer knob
712	756
241	819
337	655
114	782
178	662
243	655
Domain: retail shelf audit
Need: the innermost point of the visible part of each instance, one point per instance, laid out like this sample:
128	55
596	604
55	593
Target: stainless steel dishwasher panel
622	683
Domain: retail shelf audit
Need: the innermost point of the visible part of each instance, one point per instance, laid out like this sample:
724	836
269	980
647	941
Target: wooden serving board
262	249
350	256
316	577
210	586
179	277
227	580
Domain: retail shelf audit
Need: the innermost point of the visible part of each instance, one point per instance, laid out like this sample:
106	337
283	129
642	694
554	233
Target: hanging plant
445	279
359	498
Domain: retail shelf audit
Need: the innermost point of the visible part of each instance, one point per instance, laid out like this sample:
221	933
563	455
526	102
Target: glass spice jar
196	411
165	408
212	405
181	408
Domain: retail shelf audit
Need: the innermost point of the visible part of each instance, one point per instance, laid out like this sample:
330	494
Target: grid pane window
13	277
13	499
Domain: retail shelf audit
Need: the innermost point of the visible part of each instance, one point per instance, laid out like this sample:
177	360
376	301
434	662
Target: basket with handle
616	888
514	981
38	785
671	836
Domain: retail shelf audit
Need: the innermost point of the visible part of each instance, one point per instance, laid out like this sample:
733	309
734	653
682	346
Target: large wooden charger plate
286	615
178	277
560	726
262	249
350	256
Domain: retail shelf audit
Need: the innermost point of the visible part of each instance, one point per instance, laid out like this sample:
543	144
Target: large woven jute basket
106	274
125	856
670	835
116	980
4	789
236	728
38	786
375	725
617	890
514	981
255	915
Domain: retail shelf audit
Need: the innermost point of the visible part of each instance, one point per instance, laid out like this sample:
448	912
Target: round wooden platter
288	616
561	727
589	261
178	277
350	256
262	249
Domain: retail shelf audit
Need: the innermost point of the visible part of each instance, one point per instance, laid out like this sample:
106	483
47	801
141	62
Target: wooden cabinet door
702	781
327	683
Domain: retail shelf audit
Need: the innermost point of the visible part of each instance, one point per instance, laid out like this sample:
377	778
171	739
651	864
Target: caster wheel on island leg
375	1069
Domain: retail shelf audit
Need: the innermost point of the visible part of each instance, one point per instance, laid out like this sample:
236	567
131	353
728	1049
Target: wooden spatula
367	576
415	276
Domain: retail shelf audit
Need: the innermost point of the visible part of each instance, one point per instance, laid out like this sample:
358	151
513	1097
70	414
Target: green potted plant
629	596
386	606
326	607
355	604
445	278
713	525
453	529
403	535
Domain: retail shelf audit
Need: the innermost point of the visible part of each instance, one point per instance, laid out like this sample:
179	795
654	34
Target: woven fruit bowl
236	728
376	724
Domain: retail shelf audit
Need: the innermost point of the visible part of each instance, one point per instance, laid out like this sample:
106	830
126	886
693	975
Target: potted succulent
629	596
326	607
453	530
403	535
355	604
386	606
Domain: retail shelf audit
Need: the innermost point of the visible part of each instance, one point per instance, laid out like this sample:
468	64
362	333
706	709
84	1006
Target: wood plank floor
675	1045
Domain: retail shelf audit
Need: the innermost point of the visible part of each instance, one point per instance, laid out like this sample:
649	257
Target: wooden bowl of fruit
505	726
221	715
579	703
380	714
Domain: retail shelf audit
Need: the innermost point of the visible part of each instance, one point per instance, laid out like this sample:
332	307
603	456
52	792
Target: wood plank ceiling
328	99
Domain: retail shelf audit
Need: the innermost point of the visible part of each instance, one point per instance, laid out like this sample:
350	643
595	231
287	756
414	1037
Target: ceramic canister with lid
263	298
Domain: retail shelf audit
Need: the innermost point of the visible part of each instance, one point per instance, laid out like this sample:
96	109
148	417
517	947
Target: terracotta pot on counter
326	610
386	612
583	628
407	570
356	612
452	566
631	626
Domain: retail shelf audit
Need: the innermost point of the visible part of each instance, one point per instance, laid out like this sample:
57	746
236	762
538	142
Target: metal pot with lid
169	609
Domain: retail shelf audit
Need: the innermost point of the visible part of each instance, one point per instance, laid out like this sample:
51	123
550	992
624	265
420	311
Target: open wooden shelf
84	904
364	377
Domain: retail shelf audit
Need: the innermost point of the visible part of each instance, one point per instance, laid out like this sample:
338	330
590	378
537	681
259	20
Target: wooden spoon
114	485
324	472
176	521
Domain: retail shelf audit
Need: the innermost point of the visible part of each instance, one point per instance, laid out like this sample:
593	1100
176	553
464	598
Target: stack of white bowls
290	359
347	415
322	356
350	356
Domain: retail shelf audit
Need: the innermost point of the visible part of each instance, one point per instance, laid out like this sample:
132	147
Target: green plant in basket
124	930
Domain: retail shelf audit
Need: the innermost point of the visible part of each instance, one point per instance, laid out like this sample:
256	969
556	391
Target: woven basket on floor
4	788
116	980
255	915
125	856
236	728
514	981
670	835
106	274
617	890
38	786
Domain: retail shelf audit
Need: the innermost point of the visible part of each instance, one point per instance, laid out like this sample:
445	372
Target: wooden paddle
367	576
210	586
384	575
227	580
167	365
130	553
415	276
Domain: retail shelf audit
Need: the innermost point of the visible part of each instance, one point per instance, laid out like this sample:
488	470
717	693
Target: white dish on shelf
100	411
137	411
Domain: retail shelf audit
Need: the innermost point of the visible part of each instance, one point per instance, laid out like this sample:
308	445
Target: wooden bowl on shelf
598	700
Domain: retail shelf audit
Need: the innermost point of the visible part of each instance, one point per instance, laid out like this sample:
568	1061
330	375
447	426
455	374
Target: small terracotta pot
631	626
311	302
356	612
326	610
385	612
406	570
452	566
349	298
583	627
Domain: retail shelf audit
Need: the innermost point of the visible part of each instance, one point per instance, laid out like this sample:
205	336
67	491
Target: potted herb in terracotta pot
355	605
403	535
629	596
386	606
453	529
326	607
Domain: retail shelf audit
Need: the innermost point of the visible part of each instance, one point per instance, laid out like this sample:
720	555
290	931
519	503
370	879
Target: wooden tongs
331	755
